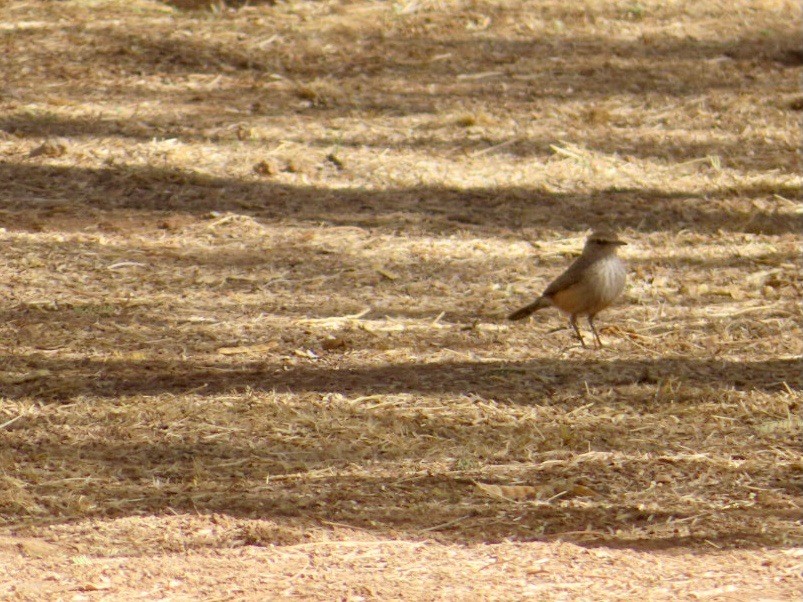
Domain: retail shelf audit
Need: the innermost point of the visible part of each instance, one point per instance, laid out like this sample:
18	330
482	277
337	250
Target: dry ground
255	269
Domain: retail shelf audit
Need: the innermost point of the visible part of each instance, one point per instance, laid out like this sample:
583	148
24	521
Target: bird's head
603	241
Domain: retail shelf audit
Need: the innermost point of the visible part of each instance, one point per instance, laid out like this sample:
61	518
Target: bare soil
256	264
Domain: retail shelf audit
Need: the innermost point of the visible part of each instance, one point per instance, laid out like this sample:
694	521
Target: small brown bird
588	286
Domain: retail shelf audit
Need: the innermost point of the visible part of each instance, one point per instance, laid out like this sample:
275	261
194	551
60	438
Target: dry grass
256	263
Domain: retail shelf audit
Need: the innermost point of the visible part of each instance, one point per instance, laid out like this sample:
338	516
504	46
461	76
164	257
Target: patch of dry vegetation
256	266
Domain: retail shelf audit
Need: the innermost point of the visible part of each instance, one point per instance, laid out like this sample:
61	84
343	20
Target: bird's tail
530	309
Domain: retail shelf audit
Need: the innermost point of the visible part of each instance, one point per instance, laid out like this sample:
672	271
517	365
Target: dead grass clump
474	119
319	93
15	499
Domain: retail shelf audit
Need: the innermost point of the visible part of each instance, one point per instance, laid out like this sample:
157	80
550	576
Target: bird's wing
568	278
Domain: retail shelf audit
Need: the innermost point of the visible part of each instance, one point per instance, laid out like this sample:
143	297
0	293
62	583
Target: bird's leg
573	322
594	330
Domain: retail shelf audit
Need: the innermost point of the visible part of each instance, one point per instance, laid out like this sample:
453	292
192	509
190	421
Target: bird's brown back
570	277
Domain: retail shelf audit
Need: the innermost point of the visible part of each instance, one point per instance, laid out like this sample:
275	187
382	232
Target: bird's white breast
604	281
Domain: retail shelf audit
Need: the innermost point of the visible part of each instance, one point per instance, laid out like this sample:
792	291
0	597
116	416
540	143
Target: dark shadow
69	378
681	67
260	477
87	193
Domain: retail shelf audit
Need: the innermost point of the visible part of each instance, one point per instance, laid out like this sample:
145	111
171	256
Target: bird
589	285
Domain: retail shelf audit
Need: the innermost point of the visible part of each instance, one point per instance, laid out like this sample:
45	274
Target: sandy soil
257	261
